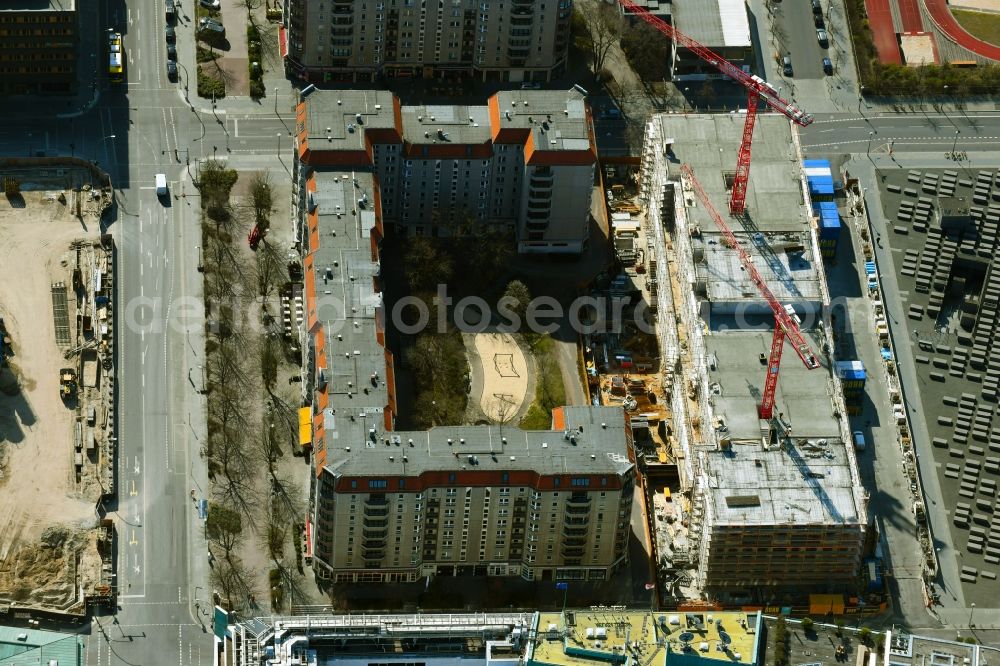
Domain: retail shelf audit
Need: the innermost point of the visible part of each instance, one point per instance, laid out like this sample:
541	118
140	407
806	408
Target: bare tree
261	195
232	579
269	268
604	27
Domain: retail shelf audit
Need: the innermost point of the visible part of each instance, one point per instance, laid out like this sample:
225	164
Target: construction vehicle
757	89
67	383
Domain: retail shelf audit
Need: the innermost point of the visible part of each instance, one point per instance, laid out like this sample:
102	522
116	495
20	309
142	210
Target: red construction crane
784	325
756	88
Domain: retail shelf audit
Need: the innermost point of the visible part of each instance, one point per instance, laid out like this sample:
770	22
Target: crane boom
781	317
771	381
753	84
738	197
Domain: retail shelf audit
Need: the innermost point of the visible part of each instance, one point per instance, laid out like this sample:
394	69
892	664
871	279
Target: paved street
135	132
923	132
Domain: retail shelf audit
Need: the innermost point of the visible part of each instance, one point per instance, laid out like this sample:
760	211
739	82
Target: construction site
57	421
752	485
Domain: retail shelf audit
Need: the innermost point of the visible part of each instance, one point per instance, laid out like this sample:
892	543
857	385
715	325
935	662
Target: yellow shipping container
305	427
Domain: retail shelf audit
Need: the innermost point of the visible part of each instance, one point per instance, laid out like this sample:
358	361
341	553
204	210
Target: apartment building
363	40
524	163
389	506
38	47
779	510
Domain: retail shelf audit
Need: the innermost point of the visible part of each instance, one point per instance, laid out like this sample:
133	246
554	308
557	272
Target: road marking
134	541
236	126
133	492
136	468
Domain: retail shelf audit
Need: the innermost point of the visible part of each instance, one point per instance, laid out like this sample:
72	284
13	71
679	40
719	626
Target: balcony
376	511
569	520
574	531
377	533
579	499
374	523
576	541
571	552
577	510
375	554
540	182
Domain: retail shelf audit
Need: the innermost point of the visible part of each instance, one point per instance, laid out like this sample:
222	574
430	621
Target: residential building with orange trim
523	163
392	506
367	40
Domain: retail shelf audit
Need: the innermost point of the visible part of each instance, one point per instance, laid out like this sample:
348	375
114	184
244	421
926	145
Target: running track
880	20
946	23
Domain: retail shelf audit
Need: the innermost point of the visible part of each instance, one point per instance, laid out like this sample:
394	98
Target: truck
67	383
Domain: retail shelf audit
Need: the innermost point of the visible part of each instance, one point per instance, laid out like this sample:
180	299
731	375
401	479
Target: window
377	483
580	481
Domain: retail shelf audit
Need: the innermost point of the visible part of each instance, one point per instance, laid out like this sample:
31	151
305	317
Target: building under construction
774	507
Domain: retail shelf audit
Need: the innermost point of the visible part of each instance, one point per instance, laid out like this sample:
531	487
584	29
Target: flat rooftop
347	303
592	441
810	478
642	637
737	382
556	119
709	145
714	23
778	234
908	650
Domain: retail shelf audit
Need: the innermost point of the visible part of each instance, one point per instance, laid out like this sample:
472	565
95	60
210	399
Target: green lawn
984	25
549	389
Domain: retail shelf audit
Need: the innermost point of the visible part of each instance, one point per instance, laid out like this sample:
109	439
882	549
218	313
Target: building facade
38	47
388	506
363	40
523	163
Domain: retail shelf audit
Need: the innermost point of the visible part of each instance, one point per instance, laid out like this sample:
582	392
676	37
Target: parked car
172	70
210	4
824	39
171	52
818	21
171	10
817	7
827	66
530	85
859	441
171	34
209	24
786	66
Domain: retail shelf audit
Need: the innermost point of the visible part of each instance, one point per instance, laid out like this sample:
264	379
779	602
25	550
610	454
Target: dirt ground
505	374
37	481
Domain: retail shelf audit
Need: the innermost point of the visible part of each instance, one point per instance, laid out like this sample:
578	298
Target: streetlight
955	142
279	144
972	610
869	151
861	93
276	100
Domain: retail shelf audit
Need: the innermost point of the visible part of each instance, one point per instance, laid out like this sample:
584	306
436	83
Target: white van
859	441
161	185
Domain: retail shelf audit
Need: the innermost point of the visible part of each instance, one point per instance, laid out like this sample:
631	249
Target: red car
254	238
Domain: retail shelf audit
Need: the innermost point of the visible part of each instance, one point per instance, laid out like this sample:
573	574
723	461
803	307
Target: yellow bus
116	59
116	71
